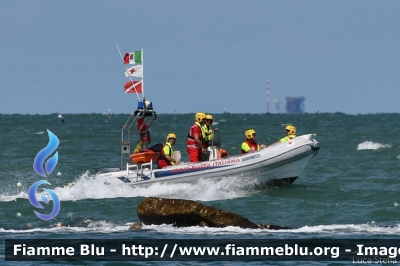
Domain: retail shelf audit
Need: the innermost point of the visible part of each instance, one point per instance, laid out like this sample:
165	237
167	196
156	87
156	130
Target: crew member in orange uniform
195	147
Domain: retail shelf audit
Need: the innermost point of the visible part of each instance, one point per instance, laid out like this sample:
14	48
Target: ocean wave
102	226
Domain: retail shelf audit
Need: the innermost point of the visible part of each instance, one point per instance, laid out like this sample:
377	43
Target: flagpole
142	75
126	69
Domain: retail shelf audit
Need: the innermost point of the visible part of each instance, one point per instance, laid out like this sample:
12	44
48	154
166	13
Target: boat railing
138	169
144	111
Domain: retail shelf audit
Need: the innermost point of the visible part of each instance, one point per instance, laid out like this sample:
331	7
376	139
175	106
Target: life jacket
287	138
166	150
191	143
252	145
204	130
206	137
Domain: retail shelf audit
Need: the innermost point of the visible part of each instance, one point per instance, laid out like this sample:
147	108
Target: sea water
350	190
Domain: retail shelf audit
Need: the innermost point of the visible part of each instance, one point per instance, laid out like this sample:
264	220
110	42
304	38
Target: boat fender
222	154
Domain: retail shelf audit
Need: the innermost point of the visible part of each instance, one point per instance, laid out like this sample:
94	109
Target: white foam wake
205	190
369	145
88	187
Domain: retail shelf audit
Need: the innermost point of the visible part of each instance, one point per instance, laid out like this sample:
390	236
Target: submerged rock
135	226
182	213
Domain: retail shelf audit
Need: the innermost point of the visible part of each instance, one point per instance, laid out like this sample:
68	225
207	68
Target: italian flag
133	58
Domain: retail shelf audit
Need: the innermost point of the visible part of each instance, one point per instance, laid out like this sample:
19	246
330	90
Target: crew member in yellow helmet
195	147
290	134
167	153
207	131
250	144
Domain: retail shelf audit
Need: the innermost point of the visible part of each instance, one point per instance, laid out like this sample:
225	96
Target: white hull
276	165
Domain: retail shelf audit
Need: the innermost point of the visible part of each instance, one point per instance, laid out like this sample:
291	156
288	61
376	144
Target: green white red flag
133	58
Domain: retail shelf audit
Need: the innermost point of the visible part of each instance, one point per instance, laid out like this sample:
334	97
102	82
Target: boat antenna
126	69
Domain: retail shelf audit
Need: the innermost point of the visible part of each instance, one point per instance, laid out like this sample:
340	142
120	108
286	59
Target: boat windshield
216	139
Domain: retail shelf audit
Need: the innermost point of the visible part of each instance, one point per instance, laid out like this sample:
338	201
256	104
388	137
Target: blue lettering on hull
189	169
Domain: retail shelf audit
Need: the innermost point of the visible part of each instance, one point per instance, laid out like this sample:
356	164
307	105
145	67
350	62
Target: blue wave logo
32	198
45	171
44	153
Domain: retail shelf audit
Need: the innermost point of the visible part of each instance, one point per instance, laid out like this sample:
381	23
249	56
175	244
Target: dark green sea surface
349	190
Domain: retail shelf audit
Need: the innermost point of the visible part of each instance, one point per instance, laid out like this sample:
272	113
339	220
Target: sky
200	56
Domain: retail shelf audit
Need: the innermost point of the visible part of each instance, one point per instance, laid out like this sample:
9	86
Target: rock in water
182	213
135	226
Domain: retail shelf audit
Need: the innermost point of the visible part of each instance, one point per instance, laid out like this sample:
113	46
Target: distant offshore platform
294	105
